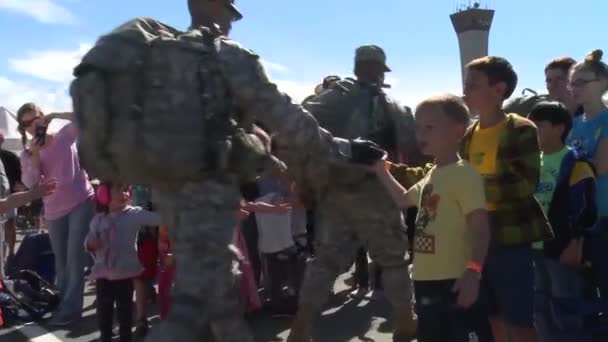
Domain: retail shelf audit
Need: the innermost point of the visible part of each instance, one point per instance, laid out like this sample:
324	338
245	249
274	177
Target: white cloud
298	91
393	81
13	94
50	65
274	67
45	11
53	66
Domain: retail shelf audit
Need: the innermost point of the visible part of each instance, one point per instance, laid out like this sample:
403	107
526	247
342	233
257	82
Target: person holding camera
69	210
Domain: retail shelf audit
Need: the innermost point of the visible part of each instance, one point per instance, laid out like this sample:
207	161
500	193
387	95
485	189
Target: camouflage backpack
153	108
334	108
523	105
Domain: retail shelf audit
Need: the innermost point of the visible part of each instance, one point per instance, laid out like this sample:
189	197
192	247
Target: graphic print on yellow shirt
442	242
429	202
483	150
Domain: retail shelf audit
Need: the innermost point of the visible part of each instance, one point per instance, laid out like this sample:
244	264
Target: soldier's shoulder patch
231	50
236	46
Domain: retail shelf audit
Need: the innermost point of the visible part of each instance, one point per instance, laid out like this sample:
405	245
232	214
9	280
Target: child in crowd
566	193
281	222
589	137
452	233
147	252
111	241
504	148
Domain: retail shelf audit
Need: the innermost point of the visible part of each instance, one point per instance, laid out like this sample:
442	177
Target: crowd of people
503	205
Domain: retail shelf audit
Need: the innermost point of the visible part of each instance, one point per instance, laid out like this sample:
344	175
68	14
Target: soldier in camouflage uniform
354	209
202	215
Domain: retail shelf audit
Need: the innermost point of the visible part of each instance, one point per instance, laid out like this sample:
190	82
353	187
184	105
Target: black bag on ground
27	298
36	254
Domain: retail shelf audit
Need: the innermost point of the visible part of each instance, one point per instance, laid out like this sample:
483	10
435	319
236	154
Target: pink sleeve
30	175
69	132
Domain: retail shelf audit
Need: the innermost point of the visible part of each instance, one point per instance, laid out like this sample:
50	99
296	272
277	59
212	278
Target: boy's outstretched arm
397	192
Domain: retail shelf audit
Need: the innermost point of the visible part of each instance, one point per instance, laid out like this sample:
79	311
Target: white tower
472	25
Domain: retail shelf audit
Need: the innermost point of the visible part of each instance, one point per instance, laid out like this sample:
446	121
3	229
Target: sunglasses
28	123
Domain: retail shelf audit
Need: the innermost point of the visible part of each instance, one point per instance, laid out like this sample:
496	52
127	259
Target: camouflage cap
371	53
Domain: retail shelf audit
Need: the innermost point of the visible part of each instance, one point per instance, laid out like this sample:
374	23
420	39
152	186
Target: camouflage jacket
253	93
350	109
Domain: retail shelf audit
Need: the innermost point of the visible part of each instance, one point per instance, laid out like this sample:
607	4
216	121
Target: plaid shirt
519	217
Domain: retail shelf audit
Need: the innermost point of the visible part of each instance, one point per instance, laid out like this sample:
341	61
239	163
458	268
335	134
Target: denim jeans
67	240
558	292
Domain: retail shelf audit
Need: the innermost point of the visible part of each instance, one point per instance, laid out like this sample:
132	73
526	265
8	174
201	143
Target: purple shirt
117	233
59	160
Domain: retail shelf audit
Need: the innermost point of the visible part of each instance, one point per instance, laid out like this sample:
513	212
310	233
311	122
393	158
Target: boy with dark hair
567	194
557	74
562	63
556	79
504	149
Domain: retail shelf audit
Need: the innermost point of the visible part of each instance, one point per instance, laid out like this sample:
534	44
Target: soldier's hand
366	152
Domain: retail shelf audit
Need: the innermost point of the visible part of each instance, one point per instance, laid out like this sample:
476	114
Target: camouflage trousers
202	218
343	223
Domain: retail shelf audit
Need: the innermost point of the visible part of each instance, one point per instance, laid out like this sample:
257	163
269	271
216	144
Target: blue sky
302	41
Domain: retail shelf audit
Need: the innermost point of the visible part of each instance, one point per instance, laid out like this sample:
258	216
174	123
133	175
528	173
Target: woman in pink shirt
69	210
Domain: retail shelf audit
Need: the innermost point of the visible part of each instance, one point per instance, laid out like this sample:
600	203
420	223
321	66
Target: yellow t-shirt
442	243
483	150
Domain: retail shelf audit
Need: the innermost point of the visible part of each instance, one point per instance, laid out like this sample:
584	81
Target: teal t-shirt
550	165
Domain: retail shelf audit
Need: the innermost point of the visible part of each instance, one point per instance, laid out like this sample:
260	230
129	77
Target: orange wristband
475	267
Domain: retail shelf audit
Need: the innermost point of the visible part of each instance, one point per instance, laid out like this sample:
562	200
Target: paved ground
344	320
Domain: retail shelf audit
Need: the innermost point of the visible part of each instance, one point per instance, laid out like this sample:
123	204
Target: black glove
365	152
